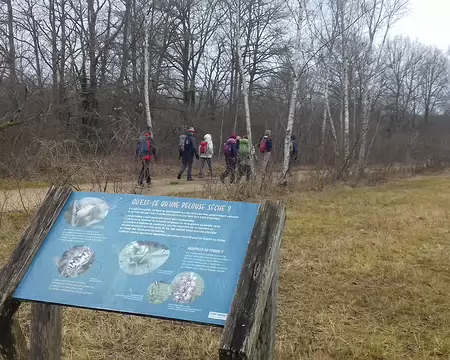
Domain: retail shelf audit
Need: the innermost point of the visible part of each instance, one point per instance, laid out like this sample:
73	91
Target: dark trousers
186	163
244	170
231	169
202	166
144	175
292	161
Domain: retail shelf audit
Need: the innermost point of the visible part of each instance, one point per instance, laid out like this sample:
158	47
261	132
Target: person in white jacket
206	153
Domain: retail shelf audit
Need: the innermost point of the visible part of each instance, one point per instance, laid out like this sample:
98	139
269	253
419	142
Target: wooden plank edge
21	258
242	328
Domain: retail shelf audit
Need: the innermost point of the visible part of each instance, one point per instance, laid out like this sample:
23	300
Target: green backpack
244	148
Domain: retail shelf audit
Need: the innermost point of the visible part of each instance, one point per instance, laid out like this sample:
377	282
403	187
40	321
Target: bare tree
297	68
343	11
379	16
434	80
244	81
148	116
11	56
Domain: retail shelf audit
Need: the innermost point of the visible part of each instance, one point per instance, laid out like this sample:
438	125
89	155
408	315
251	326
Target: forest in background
80	79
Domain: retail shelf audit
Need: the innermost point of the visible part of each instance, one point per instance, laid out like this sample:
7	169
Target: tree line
328	70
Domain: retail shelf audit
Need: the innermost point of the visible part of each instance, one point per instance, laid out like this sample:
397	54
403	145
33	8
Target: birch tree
327	32
296	80
244	80
379	16
148	116
342	8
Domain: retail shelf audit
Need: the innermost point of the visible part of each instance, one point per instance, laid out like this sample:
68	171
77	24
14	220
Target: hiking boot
179	176
190	179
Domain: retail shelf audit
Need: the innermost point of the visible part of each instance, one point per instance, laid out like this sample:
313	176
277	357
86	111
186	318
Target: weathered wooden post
250	328
46	332
12	342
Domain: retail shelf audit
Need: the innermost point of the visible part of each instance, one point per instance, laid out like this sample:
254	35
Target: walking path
30	198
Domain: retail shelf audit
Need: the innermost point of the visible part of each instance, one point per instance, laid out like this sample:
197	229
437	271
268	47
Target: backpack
228	149
181	142
187	145
263	145
244	148
204	148
143	146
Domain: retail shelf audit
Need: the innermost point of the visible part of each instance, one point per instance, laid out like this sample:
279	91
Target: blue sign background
183	263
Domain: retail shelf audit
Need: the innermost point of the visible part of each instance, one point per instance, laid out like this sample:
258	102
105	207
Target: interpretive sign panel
159	256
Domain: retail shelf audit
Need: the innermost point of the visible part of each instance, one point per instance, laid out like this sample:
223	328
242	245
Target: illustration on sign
165	257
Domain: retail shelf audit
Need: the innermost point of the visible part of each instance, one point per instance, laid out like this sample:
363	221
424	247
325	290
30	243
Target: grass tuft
10	184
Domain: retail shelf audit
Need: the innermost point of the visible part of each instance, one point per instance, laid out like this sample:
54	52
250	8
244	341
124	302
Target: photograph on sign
165	257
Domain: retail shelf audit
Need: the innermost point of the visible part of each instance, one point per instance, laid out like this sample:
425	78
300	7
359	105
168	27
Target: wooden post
11	345
46	331
250	328
12	340
267	333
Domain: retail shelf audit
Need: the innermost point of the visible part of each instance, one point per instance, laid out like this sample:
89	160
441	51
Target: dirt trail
30	198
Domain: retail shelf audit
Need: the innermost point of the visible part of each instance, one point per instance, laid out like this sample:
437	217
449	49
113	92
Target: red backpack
204	147
263	146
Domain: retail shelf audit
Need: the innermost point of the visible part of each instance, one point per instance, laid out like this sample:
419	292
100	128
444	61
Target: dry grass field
365	275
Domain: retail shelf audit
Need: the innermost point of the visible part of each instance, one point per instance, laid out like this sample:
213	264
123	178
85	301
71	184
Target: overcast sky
428	21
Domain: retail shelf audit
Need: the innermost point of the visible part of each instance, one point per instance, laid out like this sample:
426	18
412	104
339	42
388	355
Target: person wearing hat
231	153
265	149
145	152
187	156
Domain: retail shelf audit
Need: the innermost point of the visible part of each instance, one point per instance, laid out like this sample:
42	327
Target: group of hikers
237	152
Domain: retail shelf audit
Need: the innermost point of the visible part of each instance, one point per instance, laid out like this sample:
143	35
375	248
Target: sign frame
250	327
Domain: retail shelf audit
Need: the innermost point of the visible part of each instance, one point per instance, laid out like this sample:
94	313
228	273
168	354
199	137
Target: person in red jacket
145	151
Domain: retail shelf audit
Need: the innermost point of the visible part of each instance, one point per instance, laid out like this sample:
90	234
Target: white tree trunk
333	133
329	118
364	130
293	102
325	112
366	105
148	116
345	83
244	84
324	128
346	113
245	93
